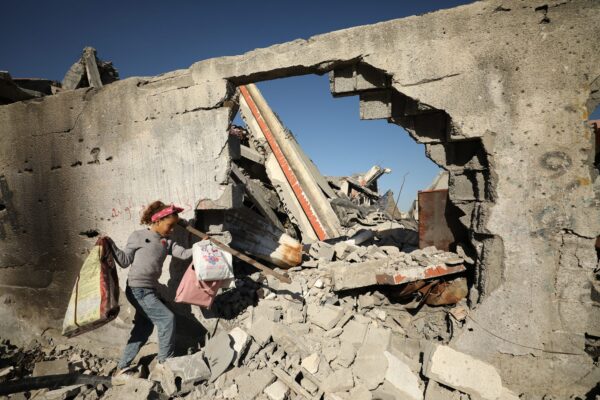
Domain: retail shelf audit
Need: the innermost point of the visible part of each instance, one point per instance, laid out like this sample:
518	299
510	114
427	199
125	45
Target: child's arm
180	252
125	257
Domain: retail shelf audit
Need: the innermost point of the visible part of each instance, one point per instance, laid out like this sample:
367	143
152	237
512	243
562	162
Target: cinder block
376	105
461	187
342	81
368	78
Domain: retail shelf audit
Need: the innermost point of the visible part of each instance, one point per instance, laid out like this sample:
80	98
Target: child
146	251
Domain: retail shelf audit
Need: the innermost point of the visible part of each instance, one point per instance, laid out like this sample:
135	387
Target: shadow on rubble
195	325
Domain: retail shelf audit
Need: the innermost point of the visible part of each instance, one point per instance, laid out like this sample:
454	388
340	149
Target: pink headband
165	212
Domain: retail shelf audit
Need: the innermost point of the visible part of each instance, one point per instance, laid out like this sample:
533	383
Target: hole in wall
328	130
91	233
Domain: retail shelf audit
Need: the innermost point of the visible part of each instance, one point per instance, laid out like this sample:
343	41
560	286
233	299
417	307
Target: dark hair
152	209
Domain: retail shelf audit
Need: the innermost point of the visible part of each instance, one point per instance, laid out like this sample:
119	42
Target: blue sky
42	39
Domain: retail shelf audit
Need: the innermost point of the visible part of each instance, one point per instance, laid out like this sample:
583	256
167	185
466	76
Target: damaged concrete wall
88	161
497	90
516	77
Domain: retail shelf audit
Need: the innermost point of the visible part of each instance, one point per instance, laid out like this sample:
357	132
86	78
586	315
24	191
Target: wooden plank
238	254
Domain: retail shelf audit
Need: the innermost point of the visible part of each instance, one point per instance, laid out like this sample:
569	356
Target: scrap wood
52	382
241	256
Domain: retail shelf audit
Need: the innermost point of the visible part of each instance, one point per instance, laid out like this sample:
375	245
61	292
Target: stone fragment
261	331
400	375
220	354
340	381
322	251
190	369
354	332
231	392
61	347
251	385
133	388
309	385
380	314
324	316
319	284
346	354
337	396
331	349
109	368
335	332
54	367
366	301
461	371
64	392
354	257
435	391
370	365
311	363
390	250
294	314
508	395
289	340
377	336
241	341
360	392
342	249
277	391
267	309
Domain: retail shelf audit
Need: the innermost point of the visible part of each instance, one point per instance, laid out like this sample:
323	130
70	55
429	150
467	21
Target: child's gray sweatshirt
146	251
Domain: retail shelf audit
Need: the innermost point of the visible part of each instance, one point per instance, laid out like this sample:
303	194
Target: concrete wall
90	160
507	84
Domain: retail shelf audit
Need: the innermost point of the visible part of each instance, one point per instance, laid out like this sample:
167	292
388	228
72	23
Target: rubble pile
88	71
307	339
55	367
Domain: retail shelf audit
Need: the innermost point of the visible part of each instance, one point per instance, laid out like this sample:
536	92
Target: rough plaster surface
508	81
91	160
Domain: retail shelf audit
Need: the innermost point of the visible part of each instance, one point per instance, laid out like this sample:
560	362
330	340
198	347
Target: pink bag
193	291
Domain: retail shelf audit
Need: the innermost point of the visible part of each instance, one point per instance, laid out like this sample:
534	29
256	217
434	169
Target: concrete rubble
88	71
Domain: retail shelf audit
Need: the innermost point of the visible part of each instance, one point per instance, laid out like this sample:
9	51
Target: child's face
165	226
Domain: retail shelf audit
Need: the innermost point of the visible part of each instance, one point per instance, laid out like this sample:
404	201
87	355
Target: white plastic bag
211	263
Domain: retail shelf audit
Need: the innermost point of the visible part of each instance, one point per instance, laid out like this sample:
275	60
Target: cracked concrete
499	91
